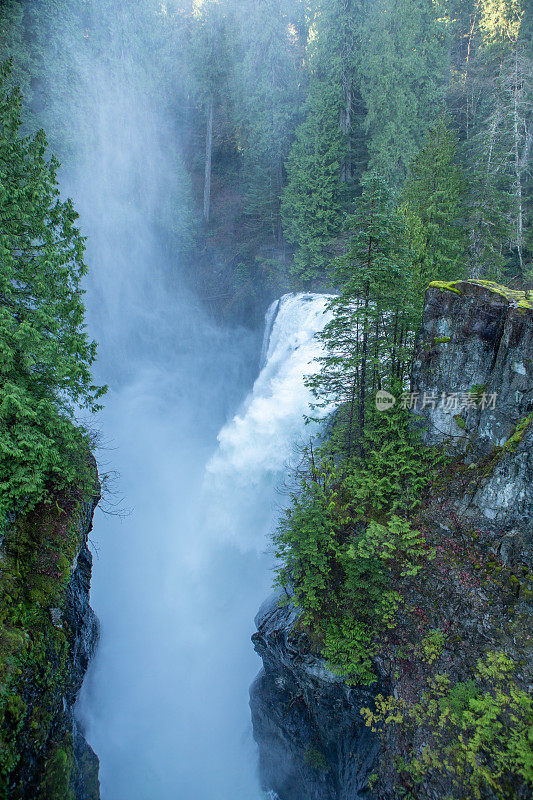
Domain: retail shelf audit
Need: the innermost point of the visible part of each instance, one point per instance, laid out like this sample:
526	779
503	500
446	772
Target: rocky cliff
472	388
472	383
313	744
48	636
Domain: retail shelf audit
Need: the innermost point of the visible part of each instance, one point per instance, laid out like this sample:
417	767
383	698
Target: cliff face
46	651
477	340
83	626
313	744
475	351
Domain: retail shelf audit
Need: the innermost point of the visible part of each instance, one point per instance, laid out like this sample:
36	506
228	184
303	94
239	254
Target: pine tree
268	95
366	338
500	143
327	157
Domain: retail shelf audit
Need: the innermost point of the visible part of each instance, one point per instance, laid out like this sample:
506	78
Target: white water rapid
178	582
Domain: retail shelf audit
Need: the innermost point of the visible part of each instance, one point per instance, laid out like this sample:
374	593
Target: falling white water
255	447
166	706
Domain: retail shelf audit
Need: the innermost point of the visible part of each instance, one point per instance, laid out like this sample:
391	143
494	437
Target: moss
448	285
520	431
512	295
56	780
38	554
316	759
442	340
460	421
523	300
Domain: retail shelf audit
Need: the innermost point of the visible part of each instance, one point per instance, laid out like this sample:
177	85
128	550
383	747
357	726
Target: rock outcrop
46	655
313	744
472	381
83	626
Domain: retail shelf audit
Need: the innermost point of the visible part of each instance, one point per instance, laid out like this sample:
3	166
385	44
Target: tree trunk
376	375
364	356
346	126
519	226
352	414
208	159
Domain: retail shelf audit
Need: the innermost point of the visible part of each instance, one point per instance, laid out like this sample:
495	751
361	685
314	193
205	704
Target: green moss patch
522	299
450	286
37	564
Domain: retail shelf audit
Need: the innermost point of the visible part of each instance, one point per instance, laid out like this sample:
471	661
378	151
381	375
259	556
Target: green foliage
434	209
366	341
344	552
432	646
314	199
396	469
476	734
45	355
307	97
327	155
306	542
55	784
266	81
404	70
38	552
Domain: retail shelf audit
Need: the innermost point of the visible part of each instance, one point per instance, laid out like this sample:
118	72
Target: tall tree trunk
208	159
519	225
352	414
346	127
394	343
364	356
376	375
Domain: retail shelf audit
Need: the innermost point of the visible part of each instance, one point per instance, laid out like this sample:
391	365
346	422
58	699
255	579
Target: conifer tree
45	355
327	157
404	67
362	341
434	209
268	96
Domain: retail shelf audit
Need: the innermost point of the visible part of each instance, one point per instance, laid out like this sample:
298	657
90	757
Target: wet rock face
59	763
313	744
475	339
83	626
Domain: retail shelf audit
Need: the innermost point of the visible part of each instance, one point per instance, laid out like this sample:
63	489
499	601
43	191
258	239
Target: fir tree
328	156
362	341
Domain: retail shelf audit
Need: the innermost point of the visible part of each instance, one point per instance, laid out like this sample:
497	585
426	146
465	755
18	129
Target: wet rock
476	339
313	744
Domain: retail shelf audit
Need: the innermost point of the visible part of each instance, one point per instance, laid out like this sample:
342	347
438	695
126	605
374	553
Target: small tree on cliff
45	355
362	341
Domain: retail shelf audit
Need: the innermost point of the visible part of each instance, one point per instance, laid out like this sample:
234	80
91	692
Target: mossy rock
523	300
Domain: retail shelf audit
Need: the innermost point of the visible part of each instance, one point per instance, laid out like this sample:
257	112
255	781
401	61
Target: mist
199	449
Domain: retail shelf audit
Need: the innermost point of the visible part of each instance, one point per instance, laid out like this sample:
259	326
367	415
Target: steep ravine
313	744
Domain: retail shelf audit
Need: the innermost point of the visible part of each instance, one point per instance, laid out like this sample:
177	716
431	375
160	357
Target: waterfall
177	583
256	445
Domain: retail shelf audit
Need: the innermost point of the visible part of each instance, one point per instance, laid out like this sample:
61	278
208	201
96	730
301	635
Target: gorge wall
47	643
472	386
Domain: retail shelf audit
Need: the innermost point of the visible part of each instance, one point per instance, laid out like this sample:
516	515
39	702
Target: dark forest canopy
280	108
